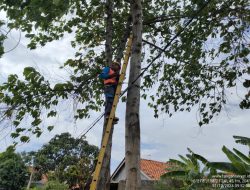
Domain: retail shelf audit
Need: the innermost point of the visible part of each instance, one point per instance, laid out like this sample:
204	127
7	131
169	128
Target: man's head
115	66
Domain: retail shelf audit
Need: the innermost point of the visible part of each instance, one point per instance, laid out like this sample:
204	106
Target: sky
161	139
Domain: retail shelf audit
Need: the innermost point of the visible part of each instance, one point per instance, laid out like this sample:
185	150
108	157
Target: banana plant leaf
177	162
235	160
187	161
201	158
242	140
194	161
243	157
223	166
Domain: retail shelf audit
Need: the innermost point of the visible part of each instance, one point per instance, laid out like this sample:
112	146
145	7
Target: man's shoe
115	120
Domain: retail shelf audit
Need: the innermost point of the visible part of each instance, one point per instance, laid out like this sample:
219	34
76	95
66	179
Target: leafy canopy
210	56
69	159
12	167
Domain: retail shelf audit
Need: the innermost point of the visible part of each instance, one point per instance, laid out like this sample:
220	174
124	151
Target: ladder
111	117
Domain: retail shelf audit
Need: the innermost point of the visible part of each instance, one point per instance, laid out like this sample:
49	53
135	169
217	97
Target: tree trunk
109	31
104	178
103	182
122	45
132	132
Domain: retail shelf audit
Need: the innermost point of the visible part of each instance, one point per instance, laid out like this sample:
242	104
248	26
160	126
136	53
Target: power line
91	126
146	68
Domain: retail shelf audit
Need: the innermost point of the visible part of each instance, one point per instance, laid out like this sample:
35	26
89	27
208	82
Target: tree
52	185
132	125
70	159
12	167
189	169
240	163
182	65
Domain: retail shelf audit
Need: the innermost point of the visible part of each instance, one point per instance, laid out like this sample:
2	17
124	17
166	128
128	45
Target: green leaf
242	156
177	162
223	166
231	156
36	122
56	2
50	128
201	158
1	95
28	70
242	140
246	84
18	130
16	123
52	114
236	161
24	138
14	135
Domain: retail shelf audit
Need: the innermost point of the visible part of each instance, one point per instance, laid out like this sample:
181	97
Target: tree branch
124	38
163	17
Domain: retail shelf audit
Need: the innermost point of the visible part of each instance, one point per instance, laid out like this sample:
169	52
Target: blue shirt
105	73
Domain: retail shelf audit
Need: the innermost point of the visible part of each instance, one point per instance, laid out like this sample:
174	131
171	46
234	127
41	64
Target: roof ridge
153	160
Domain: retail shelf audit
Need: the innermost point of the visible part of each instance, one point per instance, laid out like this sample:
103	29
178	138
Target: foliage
242	140
239	162
200	71
204	59
53	185
2	38
13	172
66	159
188	169
167	183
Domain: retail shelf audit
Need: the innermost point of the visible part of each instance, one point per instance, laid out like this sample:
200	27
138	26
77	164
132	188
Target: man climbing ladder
109	122
110	76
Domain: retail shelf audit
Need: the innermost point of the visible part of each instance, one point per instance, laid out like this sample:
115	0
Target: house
150	170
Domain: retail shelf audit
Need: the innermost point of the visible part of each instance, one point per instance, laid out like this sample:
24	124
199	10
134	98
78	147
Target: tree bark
109	31
104	178
132	131
122	44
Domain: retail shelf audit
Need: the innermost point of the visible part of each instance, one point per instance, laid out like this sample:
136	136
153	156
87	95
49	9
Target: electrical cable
91	126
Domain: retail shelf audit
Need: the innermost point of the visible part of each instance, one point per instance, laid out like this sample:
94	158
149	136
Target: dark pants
109	92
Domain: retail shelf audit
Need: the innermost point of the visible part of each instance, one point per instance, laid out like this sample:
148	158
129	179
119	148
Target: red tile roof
153	169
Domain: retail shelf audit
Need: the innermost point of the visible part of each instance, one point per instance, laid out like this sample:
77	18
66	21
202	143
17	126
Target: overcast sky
161	138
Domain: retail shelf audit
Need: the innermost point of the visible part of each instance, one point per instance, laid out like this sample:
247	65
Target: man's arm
105	73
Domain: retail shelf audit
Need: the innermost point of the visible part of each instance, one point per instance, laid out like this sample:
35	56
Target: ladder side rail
111	117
